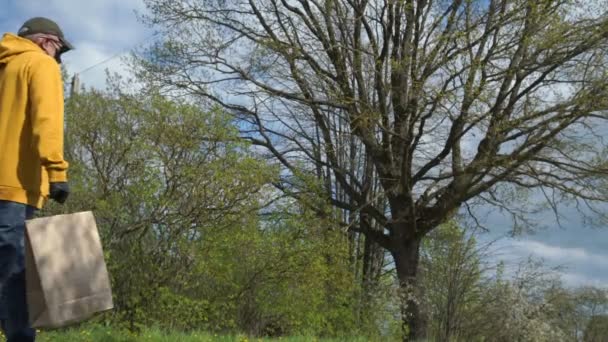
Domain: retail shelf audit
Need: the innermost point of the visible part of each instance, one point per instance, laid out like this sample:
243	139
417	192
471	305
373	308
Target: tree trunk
372	267
407	257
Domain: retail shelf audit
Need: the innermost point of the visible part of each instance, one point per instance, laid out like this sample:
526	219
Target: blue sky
99	30
102	29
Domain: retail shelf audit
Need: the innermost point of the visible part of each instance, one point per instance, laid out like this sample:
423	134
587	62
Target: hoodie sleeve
46	110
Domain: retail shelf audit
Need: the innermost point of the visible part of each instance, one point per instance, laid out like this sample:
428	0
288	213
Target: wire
116	55
100	63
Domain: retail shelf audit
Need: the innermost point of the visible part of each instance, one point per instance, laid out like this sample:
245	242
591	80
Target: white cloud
107	20
580	265
575	279
560	254
98	29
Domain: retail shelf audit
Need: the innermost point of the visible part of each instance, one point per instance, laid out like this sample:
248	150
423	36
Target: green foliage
159	176
466	298
180	207
450	285
287	277
597	329
106	334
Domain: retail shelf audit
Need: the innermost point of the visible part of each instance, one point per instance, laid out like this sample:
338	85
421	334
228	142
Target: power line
100	63
115	55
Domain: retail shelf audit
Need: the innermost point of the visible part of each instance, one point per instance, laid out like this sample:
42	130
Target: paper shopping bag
66	276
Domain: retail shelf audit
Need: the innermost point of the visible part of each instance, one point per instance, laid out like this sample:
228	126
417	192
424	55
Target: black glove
59	191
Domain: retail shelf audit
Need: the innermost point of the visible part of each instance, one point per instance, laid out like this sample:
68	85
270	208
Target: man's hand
59	191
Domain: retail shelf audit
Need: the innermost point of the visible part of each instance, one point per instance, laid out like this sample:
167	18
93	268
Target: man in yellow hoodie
32	167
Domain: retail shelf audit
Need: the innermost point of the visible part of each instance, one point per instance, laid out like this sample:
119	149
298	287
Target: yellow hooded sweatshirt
31	122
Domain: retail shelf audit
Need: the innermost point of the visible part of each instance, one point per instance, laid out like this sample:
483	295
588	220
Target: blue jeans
13	304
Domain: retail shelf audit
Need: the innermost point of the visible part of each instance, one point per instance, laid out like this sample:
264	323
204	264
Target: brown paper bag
66	275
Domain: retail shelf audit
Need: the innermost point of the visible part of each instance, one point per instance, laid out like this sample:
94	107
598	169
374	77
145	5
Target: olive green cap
45	25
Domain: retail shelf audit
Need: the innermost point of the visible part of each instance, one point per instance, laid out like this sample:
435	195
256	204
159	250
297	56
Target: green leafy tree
190	242
409	110
597	329
577	307
159	176
452	282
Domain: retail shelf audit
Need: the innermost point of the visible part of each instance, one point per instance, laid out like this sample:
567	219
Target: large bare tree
410	110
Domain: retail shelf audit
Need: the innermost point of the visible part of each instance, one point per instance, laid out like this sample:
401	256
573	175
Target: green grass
101	334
